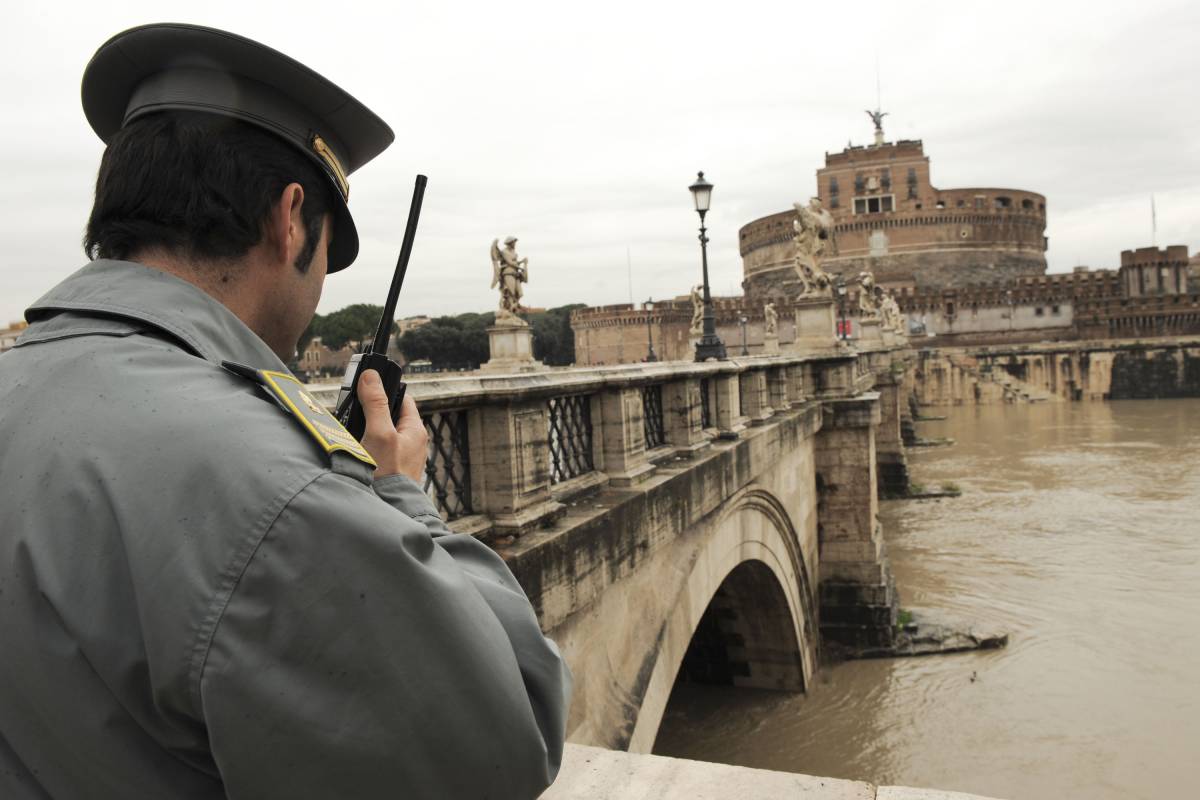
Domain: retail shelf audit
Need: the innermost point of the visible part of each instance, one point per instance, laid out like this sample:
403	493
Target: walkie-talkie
349	410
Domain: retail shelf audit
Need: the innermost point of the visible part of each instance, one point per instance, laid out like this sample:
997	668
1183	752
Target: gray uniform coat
196	601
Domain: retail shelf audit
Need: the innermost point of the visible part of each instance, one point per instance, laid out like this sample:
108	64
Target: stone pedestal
770	343
816	324
510	477
511	349
889	337
870	331
622	436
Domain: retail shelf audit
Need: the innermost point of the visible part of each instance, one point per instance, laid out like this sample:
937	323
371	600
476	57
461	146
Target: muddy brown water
1079	533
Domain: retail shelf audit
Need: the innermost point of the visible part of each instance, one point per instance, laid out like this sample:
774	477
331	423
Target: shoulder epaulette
290	395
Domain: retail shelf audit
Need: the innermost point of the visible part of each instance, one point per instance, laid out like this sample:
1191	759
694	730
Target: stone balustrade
506	451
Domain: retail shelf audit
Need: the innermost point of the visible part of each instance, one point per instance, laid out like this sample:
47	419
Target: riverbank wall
1057	371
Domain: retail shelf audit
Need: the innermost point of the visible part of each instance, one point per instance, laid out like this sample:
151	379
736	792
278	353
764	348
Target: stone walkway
596	774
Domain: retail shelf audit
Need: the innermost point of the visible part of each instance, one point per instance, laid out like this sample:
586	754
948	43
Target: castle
965	265
889	219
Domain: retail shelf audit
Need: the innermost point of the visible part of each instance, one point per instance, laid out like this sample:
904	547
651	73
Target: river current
1078	532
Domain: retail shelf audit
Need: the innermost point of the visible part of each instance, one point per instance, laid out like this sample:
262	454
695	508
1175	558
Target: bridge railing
506	452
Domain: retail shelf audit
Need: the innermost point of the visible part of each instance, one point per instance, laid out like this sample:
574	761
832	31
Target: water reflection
1079	532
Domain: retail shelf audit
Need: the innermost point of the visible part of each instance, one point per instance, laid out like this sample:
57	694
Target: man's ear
285	234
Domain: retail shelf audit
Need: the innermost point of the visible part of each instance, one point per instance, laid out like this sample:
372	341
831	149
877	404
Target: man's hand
399	450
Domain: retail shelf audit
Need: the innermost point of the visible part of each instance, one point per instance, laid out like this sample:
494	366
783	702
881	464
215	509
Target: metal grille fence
705	408
448	465
570	437
652	416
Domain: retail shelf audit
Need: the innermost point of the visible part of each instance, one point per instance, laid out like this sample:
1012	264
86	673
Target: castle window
886	180
874	205
833	186
1055	310
1003	202
941	203
961	203
979	199
1039	312
859	184
1027	205
833	201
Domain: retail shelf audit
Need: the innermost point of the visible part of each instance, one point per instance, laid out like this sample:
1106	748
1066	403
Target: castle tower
1152	271
890	219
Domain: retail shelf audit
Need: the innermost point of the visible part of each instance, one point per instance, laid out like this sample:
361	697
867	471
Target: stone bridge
710	523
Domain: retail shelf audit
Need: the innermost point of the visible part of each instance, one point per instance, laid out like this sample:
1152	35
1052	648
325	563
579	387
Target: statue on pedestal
813	236
770	320
697	312
868	300
892	318
509	272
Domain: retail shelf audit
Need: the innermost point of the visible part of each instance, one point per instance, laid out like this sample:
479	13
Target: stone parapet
508	449
592	773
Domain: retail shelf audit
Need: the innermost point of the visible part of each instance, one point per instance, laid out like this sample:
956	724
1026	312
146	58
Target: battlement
871	153
1172	255
1026	290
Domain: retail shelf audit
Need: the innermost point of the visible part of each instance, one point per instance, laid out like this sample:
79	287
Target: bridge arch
751	562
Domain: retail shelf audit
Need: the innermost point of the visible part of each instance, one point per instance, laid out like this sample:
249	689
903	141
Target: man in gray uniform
206	591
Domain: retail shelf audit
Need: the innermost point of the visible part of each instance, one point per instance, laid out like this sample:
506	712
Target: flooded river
1079	533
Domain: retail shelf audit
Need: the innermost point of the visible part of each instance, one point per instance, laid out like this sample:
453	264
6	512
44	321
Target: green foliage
353	325
461	341
450	342
553	339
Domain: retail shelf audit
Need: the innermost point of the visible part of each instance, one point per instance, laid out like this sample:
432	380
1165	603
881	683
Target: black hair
198	185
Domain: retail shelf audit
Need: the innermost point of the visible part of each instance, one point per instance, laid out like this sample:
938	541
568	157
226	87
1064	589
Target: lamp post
744	319
1008	299
709	346
843	333
649	332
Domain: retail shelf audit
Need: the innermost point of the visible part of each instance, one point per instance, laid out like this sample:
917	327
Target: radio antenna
410	232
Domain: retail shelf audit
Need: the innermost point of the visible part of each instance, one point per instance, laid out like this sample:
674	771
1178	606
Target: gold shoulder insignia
315	418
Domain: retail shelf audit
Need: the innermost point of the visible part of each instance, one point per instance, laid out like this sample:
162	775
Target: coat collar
133	291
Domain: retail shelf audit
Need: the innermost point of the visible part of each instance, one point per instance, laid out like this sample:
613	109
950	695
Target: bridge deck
597	774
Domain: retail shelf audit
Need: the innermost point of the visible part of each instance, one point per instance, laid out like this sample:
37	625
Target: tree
354	325
553	339
450	342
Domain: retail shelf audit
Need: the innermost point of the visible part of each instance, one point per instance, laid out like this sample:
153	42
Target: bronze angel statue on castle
509	272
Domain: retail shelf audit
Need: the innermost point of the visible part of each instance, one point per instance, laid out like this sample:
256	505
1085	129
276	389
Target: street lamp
843	332
649	332
744	319
709	346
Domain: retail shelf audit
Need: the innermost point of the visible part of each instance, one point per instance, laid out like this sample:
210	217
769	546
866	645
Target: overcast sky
578	127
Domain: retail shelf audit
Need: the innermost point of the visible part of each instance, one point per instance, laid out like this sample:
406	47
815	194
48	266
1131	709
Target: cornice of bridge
440	391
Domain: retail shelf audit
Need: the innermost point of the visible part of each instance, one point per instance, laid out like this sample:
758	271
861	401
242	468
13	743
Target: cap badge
335	166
